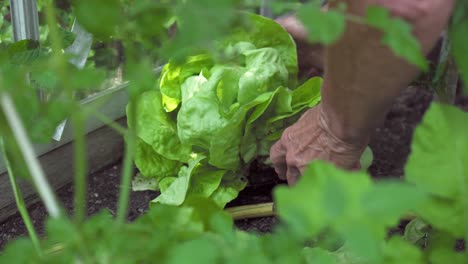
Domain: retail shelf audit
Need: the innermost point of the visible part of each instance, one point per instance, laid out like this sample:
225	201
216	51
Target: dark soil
103	188
390	144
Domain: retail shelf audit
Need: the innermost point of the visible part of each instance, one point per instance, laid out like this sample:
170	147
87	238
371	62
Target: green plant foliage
90	14
397	35
66	36
195	33
6	34
327	27
197	231
229	108
417	231
226	94
323	27
348	204
366	158
26	58
27	68
25	52
330	216
458	32
447	182
40	119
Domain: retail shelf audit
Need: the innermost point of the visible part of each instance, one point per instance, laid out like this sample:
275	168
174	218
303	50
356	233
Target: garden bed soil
390	144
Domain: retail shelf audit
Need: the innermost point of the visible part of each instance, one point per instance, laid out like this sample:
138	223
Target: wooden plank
104	146
110	103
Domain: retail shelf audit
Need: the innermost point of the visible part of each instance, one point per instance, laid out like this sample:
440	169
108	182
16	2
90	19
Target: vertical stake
25	24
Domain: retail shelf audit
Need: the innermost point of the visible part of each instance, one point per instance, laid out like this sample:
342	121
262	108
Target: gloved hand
311	138
362	78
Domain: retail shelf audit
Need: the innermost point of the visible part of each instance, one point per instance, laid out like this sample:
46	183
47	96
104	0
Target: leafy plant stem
127	168
267	210
251	211
130	142
34	167
445	81
77	117
56	41
111	123
20	202
80	167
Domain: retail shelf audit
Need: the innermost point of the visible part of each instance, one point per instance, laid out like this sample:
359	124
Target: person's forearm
310	55
363	77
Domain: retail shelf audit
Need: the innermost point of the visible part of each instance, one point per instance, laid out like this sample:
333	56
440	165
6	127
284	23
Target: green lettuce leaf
229	188
225	145
228	87
249	147
165	183
268	121
176	192
263	32
192	86
205	182
307	94
174	75
200	117
153	165
157	129
266	72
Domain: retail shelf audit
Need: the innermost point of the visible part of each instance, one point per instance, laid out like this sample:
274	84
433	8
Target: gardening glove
310	138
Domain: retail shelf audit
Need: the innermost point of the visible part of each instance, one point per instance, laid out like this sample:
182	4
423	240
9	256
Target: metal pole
25	24
25	19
